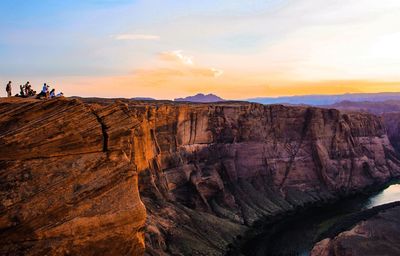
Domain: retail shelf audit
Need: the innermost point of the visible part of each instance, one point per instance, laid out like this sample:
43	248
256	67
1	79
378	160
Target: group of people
27	91
45	93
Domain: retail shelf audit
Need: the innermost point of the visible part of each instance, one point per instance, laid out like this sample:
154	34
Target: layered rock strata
61	191
392	124
72	171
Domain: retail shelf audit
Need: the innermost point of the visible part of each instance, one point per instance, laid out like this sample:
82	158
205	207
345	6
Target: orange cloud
162	75
174	65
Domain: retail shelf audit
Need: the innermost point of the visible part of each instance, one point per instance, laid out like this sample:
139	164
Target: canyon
124	177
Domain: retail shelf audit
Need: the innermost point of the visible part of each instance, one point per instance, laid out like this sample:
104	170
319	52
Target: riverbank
372	232
278	235
347	222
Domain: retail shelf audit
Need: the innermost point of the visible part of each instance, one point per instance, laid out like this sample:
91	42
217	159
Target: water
297	237
391	194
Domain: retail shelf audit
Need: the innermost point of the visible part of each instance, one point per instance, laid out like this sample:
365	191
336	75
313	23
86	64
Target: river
297	236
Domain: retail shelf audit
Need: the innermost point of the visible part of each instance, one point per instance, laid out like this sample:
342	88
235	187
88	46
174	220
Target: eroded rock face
388	110
392	123
379	235
61	192
240	162
205	172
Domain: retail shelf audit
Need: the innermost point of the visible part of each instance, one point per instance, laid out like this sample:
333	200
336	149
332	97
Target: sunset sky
234	48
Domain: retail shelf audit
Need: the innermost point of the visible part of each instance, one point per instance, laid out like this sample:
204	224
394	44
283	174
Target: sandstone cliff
388	110
62	190
72	171
392	124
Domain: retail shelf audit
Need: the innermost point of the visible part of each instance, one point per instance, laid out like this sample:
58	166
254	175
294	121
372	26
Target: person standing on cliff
45	90
27	87
8	89
22	91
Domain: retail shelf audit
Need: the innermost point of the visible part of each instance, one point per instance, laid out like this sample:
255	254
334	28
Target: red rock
205	172
60	193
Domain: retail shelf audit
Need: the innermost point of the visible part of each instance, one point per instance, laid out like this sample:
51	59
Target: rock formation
378	235
72	171
389	111
63	190
392	124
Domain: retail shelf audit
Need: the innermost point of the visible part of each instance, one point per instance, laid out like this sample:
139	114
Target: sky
236	49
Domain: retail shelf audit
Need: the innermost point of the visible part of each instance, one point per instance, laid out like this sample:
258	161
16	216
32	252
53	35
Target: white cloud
217	72
187	62
175	64
177	56
136	37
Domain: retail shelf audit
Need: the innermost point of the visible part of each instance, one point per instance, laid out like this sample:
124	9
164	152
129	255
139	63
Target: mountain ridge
201	98
319	100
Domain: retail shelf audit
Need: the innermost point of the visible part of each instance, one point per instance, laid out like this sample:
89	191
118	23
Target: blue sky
142	46
41	37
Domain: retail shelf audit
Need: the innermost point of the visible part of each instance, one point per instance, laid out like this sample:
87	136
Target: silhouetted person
22	91
27	87
8	89
60	94
30	91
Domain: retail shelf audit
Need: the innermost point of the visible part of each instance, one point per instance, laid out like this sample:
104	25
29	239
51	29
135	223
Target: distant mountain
319	100
378	108
201	98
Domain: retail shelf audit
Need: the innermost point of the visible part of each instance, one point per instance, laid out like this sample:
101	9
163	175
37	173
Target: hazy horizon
169	49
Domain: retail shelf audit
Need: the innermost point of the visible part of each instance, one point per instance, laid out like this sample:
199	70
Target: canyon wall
388	110
392	124
72	171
